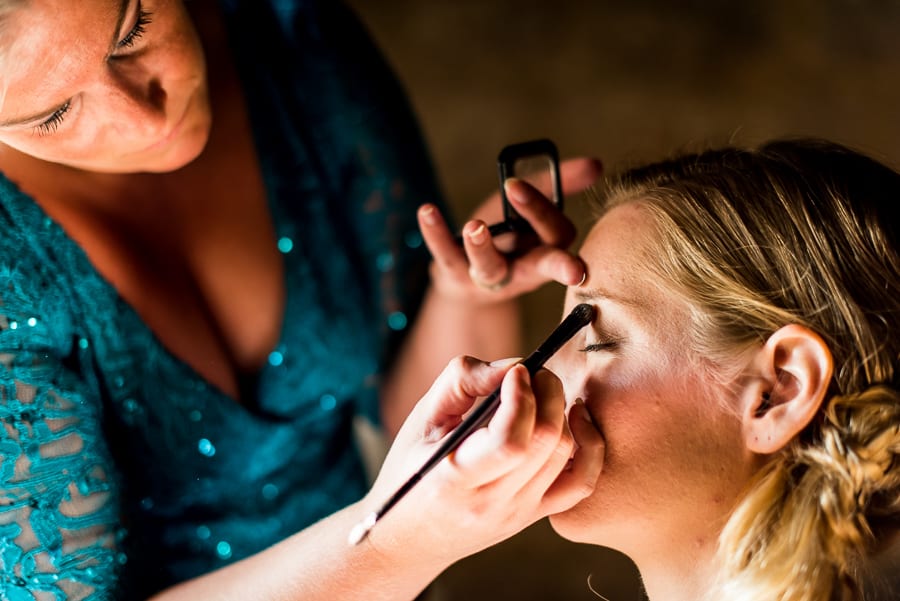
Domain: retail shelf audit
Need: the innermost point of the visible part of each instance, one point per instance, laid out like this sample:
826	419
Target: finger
548	222
551	408
551	444
549	263
493	452
575	176
514	421
439	239
549	472
456	389
551	432
487	266
580	479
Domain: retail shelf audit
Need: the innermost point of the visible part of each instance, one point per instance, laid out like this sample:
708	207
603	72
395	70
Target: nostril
156	94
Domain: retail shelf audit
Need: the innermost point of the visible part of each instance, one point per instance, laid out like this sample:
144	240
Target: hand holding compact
496	259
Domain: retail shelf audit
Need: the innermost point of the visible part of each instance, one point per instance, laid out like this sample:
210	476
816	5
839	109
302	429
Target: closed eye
52	122
137	31
606	345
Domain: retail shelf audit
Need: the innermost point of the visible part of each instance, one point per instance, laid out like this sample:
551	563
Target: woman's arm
500	480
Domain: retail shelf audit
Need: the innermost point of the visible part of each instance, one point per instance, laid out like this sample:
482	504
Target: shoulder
32	288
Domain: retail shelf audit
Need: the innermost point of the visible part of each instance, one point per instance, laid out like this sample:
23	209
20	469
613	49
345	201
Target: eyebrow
598	294
44	115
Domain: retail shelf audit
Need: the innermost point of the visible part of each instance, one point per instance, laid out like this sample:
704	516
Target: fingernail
428	214
585	415
478	235
505	362
511	192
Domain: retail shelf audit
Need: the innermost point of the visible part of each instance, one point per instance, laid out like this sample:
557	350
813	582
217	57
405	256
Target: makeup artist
211	272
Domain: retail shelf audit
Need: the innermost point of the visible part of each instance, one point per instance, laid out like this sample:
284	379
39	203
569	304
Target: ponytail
803	530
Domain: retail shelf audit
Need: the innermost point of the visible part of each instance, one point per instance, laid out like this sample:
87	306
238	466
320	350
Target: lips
173	133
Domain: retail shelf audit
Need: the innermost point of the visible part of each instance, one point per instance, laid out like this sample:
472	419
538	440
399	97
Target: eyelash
52	122
144	19
610	344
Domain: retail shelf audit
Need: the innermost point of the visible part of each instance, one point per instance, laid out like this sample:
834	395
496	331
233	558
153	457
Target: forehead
32	20
45	45
619	252
616	248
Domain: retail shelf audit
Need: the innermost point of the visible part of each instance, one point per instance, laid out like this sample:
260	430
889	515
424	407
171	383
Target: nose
137	104
568	365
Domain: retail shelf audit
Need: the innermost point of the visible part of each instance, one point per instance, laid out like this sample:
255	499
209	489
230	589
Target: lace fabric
123	471
58	525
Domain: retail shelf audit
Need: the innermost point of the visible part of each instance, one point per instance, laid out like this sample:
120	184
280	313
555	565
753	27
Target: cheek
664	426
658	407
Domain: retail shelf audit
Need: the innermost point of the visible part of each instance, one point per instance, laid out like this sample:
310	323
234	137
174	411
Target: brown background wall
625	81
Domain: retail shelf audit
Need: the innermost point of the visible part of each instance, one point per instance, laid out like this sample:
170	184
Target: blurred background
625	82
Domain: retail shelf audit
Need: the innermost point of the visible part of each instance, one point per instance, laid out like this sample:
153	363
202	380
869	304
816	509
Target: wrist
394	543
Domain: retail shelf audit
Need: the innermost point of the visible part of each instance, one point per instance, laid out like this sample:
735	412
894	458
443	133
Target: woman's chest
197	260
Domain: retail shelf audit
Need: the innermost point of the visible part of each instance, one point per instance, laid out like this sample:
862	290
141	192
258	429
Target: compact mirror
536	162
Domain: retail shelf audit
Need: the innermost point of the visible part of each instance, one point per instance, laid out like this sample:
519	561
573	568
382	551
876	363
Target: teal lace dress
123	471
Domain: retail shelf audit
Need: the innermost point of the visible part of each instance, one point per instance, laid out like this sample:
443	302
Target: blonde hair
806	232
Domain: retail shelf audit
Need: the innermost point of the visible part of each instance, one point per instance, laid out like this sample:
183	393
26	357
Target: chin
180	152
175	160
595	523
571	526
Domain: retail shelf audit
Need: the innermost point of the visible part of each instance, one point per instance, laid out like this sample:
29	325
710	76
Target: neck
678	571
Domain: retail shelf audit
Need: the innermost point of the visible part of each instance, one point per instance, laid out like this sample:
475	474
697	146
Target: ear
796	367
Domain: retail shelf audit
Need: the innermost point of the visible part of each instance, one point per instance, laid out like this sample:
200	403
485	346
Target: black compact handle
506	168
507	159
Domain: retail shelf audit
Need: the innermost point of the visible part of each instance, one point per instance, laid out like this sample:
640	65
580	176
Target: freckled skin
144	107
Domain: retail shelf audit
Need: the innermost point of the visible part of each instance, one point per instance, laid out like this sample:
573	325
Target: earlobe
797	367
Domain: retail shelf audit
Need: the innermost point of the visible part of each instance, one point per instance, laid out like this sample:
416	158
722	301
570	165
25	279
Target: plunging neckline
33	217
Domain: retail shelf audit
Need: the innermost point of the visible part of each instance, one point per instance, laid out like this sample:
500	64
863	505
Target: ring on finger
495	286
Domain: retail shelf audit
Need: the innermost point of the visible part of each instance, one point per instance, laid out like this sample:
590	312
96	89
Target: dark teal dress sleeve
59	495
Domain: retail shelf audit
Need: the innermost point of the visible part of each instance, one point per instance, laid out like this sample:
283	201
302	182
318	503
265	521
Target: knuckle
546	383
511	451
545	436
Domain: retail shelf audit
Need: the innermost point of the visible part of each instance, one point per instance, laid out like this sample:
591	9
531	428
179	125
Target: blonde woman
743	371
733	408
